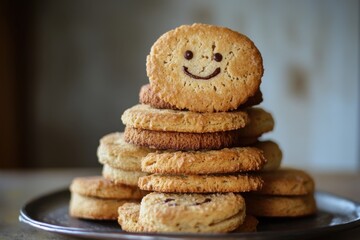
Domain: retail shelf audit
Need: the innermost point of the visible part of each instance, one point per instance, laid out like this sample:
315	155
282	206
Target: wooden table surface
18	187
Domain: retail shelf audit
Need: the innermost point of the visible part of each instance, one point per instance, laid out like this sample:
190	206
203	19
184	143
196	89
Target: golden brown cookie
200	183
249	225
145	117
261	122
204	68
115	152
147	96
227	160
95	208
120	176
186	141
196	213
128	218
289	182
99	187
280	206
272	153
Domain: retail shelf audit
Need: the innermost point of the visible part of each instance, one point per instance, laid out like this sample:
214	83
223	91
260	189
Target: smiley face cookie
204	68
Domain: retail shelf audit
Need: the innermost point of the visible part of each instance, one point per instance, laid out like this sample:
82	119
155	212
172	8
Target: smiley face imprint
189	55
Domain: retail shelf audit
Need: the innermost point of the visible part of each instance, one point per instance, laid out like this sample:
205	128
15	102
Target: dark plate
334	214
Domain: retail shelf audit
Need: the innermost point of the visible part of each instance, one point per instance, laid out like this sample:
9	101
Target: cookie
289	182
147	96
200	183
204	68
145	117
128	218
249	225
197	213
99	187
95	208
115	152
227	160
272	153
280	206
186	141
261	122
120	176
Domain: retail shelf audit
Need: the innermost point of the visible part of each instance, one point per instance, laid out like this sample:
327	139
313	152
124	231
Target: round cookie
288	182
272	153
147	96
260	122
204	68
145	117
280	206
120	176
227	160
99	187
115	152
95	208
186	141
206	213
200	183
128	218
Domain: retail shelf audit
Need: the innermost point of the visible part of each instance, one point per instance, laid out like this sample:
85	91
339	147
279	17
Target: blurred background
68	69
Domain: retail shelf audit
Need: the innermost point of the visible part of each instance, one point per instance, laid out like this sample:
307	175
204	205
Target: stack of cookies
192	144
197	114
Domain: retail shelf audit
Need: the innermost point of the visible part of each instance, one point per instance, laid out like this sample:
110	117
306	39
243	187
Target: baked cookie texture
204	68
261	122
120	176
288	182
227	160
99	187
145	117
161	212
186	141
200	183
115	152
129	220
272	153
95	208
280	206
147	96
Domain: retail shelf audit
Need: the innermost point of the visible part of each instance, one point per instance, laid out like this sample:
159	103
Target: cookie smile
216	72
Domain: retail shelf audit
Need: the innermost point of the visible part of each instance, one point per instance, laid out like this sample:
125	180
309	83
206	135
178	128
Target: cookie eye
188	55
217	57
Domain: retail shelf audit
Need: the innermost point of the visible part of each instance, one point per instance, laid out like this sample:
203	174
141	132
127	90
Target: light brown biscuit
128	218
99	187
147	96
261	122
120	176
95	208
200	183
227	160
115	152
204	68
145	117
289	182
272	153
249	225
161	212
186	141
280	206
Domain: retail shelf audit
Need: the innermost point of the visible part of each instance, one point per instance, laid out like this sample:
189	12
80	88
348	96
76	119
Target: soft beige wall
90	64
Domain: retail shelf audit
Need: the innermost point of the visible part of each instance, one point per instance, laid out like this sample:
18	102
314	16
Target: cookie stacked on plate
197	114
